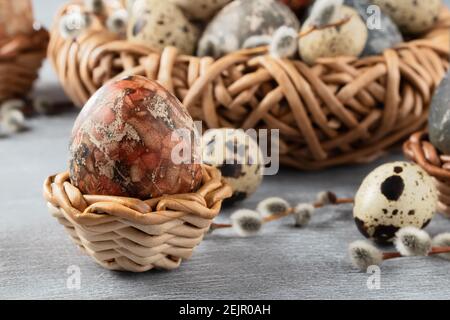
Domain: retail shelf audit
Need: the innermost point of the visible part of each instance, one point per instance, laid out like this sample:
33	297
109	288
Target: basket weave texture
20	60
132	235
420	150
341	110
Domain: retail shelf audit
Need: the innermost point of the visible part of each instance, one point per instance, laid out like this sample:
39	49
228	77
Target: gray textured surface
281	263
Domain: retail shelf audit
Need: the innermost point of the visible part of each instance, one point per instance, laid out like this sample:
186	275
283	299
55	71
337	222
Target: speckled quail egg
383	33
348	39
200	10
242	20
160	24
412	16
393	196
239	158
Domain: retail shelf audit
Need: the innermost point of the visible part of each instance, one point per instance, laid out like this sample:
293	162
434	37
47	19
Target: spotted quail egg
201	10
393	196
161	23
348	39
239	158
412	16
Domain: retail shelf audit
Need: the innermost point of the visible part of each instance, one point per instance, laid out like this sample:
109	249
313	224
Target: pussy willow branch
434	251
265	49
280	215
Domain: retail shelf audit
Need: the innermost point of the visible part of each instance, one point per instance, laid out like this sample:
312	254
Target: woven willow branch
20	60
421	151
341	110
131	234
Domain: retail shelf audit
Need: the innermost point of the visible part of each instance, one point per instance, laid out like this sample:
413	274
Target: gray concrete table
281	263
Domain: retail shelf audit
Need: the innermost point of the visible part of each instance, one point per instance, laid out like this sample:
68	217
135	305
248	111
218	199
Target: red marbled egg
297	5
123	141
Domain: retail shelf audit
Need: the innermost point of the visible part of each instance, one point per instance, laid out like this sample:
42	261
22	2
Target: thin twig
434	251
280	215
265	49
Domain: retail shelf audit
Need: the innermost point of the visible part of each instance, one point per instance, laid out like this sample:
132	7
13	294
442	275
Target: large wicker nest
341	110
20	59
133	235
420	150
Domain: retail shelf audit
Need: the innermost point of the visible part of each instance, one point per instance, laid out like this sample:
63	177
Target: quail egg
393	196
412	16
160	24
348	39
239	158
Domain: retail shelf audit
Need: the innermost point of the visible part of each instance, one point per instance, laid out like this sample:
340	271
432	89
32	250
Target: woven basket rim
94	209
419	149
35	41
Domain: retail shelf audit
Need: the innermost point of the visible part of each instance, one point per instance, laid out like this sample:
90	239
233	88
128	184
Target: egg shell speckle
159	24
348	39
412	16
200	9
393	196
241	20
238	157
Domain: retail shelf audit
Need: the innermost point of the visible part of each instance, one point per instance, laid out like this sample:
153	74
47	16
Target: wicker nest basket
420	150
20	60
132	235
341	110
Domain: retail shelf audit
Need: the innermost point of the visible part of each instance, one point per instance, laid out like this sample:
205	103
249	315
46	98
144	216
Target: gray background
281	263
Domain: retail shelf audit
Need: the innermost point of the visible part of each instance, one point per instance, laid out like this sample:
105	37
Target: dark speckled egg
239	158
439	120
393	196
241	20
123	139
383	33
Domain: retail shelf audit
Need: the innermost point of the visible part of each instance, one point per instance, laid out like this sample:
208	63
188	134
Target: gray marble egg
383	33
159	24
238	157
241	20
200	10
393	196
439	118
412	16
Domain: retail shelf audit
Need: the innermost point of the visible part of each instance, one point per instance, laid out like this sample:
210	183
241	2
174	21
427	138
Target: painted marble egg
159	24
297	5
241	20
239	158
412	16
348	39
393	196
124	141
383	33
200	10
439	119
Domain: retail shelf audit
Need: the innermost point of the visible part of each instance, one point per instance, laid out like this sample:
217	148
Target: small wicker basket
420	150
339	111
20	60
133	235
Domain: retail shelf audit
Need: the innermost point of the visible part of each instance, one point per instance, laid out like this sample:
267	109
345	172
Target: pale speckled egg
200	10
393	196
239	158
412	16
348	39
159	24
240	20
